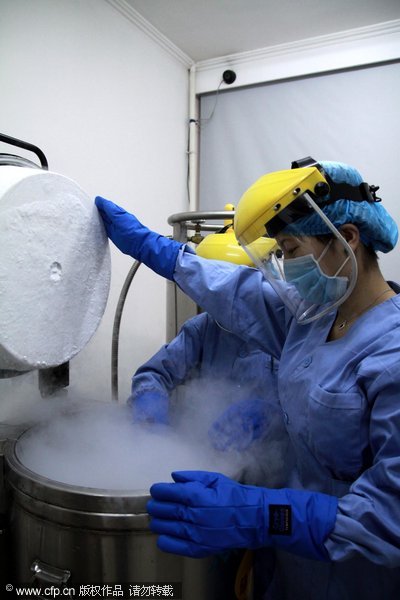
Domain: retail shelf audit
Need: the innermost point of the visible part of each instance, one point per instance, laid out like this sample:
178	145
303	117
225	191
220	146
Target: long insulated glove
241	424
157	252
206	513
150	407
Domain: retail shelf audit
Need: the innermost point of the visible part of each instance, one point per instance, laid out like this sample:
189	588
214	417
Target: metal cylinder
180	307
7	432
70	534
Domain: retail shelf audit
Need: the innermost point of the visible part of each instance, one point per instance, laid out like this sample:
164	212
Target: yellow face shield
224	246
314	273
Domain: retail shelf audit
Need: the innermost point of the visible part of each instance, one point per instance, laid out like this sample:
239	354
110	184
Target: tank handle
27	146
48	574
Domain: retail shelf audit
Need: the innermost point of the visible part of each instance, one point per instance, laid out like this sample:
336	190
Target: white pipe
193	145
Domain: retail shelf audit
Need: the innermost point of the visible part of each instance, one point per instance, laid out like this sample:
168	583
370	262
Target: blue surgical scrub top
203	350
226	370
341	404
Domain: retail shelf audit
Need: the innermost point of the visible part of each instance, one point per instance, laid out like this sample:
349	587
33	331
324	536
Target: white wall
108	106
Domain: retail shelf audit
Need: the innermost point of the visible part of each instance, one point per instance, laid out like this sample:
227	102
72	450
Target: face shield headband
323	195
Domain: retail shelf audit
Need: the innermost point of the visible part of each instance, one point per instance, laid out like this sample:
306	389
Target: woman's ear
351	234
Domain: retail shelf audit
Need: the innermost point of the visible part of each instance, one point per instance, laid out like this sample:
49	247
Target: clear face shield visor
315	269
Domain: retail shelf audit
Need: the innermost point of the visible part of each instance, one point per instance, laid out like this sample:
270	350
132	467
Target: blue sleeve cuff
300	522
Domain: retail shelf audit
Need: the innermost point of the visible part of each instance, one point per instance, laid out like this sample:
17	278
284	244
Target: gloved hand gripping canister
157	252
206	513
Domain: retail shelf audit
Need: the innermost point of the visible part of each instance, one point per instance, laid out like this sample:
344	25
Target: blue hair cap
377	228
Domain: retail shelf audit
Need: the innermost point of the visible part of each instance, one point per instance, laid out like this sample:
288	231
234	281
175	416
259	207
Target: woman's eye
289	247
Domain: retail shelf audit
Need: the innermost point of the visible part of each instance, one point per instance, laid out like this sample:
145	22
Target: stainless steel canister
7	432
63	534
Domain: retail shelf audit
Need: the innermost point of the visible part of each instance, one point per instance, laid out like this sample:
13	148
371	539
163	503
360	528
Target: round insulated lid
54	269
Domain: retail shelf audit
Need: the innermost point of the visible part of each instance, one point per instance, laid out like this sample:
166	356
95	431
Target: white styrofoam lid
54	268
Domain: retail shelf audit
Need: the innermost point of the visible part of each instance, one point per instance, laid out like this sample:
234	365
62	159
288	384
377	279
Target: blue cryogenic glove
150	407
157	252
206	513
240	425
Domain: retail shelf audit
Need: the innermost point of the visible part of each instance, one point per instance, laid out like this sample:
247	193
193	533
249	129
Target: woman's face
296	246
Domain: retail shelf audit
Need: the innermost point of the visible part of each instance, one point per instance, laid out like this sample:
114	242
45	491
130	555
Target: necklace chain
346	322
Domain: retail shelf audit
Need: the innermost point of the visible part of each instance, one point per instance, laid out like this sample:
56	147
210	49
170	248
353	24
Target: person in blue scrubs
221	369
203	351
238	374
332	320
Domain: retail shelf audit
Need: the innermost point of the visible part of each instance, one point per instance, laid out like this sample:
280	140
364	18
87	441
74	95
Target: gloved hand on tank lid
150	407
241	424
206	513
157	252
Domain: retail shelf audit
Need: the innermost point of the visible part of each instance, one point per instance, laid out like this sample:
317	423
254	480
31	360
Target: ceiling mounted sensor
229	76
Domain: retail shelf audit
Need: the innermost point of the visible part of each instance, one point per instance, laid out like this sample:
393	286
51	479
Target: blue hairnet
377	228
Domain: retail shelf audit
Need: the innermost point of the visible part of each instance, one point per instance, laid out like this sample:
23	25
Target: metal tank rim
68	496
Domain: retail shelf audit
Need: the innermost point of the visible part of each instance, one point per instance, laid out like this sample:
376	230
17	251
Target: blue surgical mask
311	282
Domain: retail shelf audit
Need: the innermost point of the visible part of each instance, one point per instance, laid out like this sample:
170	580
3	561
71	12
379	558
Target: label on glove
280	519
